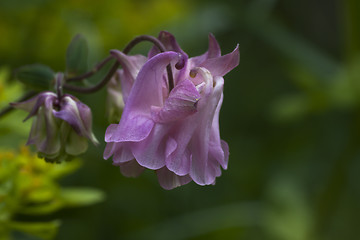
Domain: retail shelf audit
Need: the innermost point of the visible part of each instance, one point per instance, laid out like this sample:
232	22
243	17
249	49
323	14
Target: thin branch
92	72
113	69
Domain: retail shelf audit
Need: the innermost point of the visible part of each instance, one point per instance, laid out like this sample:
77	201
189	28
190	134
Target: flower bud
60	128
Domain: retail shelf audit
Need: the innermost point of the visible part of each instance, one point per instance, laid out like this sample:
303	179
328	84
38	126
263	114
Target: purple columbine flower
175	133
60	127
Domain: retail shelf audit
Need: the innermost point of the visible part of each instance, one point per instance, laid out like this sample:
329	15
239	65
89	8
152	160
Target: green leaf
36	76
42	209
77	56
74	197
288	215
44	230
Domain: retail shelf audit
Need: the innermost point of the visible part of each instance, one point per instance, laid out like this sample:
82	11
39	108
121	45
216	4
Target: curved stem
97	86
142	38
159	45
92	72
8	109
113	69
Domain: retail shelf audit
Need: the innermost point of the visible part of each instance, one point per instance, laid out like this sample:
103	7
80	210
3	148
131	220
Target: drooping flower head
176	133
60	127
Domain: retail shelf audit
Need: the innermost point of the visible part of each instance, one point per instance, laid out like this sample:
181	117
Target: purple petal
122	153
220	66
136	123
33	104
214	48
218	148
131	169
110	131
181	103
201	171
225	148
169	180
212	52
170	43
151	152
131	66
78	115
109	150
179	160
45	130
131	129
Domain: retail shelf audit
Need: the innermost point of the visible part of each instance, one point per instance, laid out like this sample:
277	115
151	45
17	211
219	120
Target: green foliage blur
291	116
28	186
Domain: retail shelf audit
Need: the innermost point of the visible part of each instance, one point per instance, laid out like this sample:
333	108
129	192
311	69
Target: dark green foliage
36	76
77	56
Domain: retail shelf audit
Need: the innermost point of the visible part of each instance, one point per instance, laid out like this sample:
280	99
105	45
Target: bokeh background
291	116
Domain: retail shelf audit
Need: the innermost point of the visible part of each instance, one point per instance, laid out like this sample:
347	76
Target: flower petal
170	43
136	123
122	153
131	169
44	132
181	103
131	129
110	131
131	66
218	148
109	150
169	180
212	52
33	104
214	48
78	115
220	66
151	152
75	144
179	159
201	171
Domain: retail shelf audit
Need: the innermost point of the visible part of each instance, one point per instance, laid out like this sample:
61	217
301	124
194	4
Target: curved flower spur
172	128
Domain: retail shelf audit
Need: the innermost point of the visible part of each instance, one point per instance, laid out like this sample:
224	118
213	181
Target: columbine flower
60	127
176	133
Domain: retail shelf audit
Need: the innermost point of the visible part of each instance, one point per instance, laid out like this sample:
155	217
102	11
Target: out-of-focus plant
107	25
7	90
28	186
338	93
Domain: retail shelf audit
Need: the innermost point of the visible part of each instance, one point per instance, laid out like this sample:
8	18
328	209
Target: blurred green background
291	116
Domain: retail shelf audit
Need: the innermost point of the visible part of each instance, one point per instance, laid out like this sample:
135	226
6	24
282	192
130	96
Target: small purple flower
60	127
175	133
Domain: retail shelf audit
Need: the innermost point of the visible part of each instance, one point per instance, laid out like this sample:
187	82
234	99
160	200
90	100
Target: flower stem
113	69
92	72
59	85
159	45
96	87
